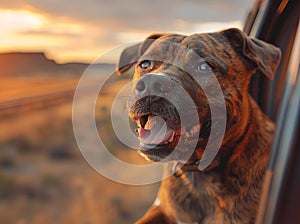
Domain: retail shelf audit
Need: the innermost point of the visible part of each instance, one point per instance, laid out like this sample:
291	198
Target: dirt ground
45	179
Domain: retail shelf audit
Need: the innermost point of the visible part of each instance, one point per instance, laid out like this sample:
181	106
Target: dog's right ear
130	55
265	56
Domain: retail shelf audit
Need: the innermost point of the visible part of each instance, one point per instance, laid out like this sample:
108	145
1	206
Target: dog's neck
228	148
193	166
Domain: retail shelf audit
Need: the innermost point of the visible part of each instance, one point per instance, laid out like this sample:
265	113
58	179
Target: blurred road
21	95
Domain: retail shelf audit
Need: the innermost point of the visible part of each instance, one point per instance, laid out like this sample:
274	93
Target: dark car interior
277	22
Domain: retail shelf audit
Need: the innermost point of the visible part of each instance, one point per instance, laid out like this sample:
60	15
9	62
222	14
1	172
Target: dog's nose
153	84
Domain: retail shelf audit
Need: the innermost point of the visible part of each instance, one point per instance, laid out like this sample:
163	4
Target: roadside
45	179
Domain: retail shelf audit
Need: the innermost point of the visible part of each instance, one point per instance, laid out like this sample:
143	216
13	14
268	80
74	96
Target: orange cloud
14	21
73	30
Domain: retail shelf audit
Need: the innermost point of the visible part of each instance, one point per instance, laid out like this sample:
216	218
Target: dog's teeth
195	129
172	137
208	124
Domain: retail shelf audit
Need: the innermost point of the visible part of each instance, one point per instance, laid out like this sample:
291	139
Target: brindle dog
228	190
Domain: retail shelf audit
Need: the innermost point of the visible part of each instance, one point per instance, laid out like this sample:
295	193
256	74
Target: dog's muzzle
153	84
156	103
152	91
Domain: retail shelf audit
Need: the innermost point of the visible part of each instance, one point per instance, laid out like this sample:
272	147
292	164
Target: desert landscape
43	176
45	48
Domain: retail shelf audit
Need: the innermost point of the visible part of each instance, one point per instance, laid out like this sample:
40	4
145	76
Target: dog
228	189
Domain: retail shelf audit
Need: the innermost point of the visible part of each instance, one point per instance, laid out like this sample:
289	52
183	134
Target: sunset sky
73	30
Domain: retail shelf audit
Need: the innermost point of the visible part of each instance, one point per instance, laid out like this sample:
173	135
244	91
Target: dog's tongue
155	131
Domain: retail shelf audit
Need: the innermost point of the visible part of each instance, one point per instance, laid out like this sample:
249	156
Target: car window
281	197
275	22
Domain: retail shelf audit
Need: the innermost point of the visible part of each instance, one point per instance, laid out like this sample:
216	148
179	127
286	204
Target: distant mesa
37	63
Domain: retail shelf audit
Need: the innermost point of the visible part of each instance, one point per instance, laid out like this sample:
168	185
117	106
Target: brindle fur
230	192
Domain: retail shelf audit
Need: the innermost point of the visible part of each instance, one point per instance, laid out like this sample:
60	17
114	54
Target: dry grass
44	178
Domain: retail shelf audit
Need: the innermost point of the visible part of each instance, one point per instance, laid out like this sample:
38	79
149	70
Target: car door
278	22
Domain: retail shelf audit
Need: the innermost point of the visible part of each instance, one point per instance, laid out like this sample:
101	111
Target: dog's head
171	69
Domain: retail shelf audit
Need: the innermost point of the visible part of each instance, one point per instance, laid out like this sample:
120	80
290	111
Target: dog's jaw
158	138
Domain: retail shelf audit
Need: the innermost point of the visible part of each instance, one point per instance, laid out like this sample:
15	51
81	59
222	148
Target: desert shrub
22	144
49	180
6	161
7	184
60	151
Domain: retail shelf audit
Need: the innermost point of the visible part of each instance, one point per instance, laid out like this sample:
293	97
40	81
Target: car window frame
283	172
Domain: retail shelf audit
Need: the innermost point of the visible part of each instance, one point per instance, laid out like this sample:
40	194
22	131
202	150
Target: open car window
278	22
281	191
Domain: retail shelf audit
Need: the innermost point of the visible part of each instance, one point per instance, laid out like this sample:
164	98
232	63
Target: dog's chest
193	197
197	197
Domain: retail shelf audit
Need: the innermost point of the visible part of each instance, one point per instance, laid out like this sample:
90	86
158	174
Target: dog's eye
145	64
204	66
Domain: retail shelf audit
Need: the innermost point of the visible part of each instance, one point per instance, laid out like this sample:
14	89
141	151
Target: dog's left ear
130	55
127	59
265	56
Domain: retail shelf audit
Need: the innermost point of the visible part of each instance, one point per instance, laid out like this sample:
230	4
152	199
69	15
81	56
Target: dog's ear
265	56
130	55
127	59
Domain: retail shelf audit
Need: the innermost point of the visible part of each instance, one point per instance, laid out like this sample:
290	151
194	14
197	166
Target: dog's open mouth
153	130
158	137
